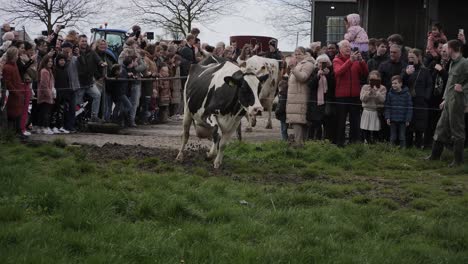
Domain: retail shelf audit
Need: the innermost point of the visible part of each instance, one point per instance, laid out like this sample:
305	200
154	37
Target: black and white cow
216	97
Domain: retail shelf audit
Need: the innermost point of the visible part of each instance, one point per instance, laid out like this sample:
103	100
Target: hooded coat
298	91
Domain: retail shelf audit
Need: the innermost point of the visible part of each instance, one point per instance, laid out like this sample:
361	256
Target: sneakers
47	131
26	133
64	131
56	130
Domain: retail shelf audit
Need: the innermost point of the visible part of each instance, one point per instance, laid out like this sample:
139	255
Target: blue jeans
284	131
94	93
398	131
135	94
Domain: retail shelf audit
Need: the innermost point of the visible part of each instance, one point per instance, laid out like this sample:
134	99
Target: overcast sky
251	20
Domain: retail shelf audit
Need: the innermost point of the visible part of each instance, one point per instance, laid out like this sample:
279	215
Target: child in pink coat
356	35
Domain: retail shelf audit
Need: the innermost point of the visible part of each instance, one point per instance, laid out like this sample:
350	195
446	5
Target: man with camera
89	70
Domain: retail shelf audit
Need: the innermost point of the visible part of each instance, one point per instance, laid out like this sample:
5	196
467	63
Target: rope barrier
185	77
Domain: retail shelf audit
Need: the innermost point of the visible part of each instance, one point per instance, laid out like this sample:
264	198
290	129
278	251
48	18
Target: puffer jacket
298	91
399	106
348	76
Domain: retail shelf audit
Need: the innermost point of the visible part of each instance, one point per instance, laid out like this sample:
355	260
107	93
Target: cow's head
248	85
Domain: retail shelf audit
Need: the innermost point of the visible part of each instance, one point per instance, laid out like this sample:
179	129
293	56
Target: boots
437	149
458	149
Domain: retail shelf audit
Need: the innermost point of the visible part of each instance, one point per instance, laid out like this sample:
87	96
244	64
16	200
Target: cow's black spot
198	86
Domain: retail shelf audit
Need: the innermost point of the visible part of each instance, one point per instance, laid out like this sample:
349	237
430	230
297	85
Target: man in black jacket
187	54
89	69
380	55
393	66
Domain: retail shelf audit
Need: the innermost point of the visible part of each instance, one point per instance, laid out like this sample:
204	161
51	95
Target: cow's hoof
210	156
217	165
269	126
180	157
248	130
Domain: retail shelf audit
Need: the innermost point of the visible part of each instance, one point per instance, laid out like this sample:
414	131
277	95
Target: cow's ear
263	78
235	79
230	81
243	65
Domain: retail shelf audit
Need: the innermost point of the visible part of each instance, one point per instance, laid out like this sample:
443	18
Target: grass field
270	204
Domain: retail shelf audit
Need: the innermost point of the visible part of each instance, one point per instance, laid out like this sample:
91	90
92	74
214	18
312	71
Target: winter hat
8	36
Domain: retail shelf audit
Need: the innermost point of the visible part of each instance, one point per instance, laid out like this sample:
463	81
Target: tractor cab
115	39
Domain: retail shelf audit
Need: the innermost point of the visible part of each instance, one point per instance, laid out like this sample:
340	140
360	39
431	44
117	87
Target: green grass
321	204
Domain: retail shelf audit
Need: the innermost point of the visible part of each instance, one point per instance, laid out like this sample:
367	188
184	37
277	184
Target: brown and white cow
264	67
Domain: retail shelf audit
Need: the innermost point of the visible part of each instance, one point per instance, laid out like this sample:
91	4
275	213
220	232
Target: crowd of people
384	91
379	88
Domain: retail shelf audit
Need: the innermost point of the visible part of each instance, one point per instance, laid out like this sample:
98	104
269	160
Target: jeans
94	93
284	131
398	131
135	94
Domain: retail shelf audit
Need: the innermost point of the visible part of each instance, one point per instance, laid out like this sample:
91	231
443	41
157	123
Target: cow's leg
221	146
249	128
269	124
239	132
214	147
186	134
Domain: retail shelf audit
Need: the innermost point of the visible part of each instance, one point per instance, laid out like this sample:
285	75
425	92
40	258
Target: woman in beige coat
298	94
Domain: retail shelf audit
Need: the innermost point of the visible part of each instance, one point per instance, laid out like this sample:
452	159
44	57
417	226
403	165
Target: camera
62	27
355	49
375	83
137	34
324	65
150	35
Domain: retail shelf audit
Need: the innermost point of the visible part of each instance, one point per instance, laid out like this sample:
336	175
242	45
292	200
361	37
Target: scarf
322	89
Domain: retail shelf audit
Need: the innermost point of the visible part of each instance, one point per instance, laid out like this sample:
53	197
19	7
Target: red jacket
348	76
14	85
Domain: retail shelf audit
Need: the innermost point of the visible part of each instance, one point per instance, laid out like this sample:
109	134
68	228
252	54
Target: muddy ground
165	136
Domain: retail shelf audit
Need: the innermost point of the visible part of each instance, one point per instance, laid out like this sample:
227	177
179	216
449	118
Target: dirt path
167	136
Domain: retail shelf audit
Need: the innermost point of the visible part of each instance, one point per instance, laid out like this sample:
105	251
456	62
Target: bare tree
177	16
49	12
299	17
